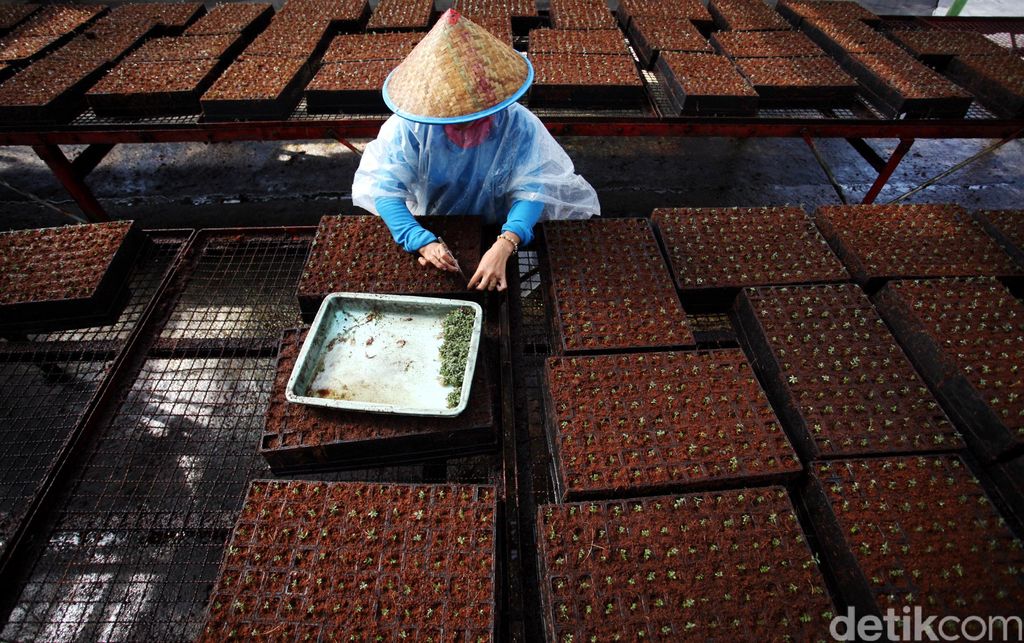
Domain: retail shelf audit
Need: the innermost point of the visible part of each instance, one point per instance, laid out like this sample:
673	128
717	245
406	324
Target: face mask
471	135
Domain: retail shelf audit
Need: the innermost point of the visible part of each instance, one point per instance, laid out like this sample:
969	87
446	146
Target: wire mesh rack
48	383
133	544
136	538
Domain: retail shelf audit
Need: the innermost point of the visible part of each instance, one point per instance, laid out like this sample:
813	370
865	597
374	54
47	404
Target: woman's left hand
490	274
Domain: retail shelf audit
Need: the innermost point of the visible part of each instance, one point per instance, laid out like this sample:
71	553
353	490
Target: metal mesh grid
139	534
48	381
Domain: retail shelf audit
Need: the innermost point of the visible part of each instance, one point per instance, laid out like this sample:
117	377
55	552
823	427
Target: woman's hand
435	255
490	274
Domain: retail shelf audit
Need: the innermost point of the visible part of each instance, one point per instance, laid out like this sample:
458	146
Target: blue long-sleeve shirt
409	234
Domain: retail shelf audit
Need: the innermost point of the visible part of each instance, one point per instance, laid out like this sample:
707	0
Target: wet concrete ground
244	184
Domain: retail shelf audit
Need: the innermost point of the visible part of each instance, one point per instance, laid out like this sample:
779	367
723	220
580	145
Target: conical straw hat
459	72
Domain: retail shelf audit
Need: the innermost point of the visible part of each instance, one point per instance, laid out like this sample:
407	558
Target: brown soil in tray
891	241
47	91
58	20
181	48
347	12
371	46
581	14
1007	228
764	44
402	14
737	247
664	10
706	83
837	375
260	85
997	81
906	85
577	41
300	435
586	81
837	10
746	15
314	561
917	532
943	42
807	78
725	566
357	254
600	306
232	18
152	88
845	37
633	424
490	9
572	69
12	14
500	28
652	35
14	48
288	41
349	86
69	277
175	15
967	338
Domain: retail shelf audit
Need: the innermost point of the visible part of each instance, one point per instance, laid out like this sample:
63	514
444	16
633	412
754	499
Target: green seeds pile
457	331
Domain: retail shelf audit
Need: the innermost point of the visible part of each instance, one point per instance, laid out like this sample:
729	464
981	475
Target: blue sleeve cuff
405	229
521	219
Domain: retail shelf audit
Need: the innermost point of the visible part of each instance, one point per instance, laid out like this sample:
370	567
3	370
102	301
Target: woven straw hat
459	72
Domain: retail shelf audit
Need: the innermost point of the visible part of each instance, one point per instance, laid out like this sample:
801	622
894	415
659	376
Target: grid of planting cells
842	382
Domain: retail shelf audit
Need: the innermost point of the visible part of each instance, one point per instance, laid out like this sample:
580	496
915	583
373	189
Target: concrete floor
236	184
242	184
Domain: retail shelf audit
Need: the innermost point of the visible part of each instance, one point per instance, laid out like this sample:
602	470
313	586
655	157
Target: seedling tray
837	377
1007	228
815	80
351	86
357	254
725	566
745	15
997	81
711	249
965	337
939	46
796	11
308	559
279	103
880	242
49	91
401	15
764	44
915	531
659	10
714	85
586	81
629	425
299	438
903	86
650	37
170	88
580	14
610	288
243	18
69	277
380	354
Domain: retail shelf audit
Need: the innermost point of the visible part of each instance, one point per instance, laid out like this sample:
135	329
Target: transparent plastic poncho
519	160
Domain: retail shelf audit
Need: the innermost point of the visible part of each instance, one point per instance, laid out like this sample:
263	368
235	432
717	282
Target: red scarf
471	135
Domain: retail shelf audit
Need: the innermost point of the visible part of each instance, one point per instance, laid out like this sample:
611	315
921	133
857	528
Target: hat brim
448	120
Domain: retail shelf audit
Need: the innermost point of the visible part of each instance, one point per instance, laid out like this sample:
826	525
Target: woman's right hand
435	254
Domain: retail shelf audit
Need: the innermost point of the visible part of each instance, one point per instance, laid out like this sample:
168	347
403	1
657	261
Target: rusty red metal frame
102	139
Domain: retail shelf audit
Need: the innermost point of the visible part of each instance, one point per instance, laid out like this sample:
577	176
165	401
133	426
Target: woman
460	144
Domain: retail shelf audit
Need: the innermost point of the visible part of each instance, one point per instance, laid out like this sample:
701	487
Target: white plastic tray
380	354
